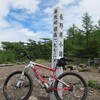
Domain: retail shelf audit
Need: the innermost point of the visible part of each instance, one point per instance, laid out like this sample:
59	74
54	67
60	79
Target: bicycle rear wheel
22	91
77	87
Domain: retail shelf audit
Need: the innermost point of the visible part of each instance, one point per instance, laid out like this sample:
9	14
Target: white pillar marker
57	42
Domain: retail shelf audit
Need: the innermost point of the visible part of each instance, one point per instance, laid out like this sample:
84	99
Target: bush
94	84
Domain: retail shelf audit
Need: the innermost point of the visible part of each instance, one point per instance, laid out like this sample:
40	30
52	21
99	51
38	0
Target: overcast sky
21	20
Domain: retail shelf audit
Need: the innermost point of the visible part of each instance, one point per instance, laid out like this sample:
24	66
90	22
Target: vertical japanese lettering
60	44
55	22
55	11
60	53
55	28
55	35
61	34
55	16
61	25
61	17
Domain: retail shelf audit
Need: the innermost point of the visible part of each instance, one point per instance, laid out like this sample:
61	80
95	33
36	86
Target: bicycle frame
22	81
40	76
53	70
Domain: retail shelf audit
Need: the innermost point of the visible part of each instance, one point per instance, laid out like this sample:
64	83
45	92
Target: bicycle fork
22	77
20	81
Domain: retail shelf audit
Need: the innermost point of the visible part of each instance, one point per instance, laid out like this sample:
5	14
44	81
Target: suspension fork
21	78
20	81
25	70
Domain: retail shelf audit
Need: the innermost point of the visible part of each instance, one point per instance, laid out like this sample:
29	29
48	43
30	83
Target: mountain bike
19	85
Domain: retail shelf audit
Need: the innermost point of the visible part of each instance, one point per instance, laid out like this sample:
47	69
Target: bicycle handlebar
60	62
26	55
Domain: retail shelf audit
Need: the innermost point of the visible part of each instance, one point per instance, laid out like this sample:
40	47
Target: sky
21	20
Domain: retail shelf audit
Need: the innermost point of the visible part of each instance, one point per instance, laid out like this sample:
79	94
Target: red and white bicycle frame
33	65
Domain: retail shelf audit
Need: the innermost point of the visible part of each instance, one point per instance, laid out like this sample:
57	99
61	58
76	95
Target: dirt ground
94	94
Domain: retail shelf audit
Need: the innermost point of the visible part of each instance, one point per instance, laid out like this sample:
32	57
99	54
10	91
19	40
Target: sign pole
57	43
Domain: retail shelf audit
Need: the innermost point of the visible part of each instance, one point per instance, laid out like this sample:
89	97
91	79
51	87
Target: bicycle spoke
17	89
75	88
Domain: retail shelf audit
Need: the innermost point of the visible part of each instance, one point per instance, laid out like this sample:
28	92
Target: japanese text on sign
57	45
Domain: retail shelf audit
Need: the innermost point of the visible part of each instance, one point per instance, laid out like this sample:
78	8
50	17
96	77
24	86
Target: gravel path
38	92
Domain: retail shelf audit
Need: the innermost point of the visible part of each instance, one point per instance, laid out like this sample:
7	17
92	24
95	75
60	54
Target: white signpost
57	42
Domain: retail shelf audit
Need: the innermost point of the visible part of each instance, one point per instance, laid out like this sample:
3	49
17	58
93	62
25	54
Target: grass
41	61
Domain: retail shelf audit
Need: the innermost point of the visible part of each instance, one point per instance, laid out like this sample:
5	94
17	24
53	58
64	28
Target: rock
98	85
87	69
44	96
75	67
91	92
82	66
72	67
32	98
6	65
79	68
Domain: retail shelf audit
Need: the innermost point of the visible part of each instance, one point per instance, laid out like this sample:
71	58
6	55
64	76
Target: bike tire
7	85
68	74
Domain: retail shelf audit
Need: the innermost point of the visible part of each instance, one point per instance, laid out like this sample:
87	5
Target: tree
88	29
71	33
87	25
74	41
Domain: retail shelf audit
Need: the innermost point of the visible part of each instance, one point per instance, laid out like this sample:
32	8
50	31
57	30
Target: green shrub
94	84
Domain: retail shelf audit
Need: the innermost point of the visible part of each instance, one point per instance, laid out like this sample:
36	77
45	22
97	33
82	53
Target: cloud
35	21
21	34
61	4
93	7
30	6
74	10
13	30
4	10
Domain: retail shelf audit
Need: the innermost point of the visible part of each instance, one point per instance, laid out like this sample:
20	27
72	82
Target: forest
81	43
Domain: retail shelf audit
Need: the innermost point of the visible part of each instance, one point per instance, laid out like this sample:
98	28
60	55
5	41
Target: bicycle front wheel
76	88
17	89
